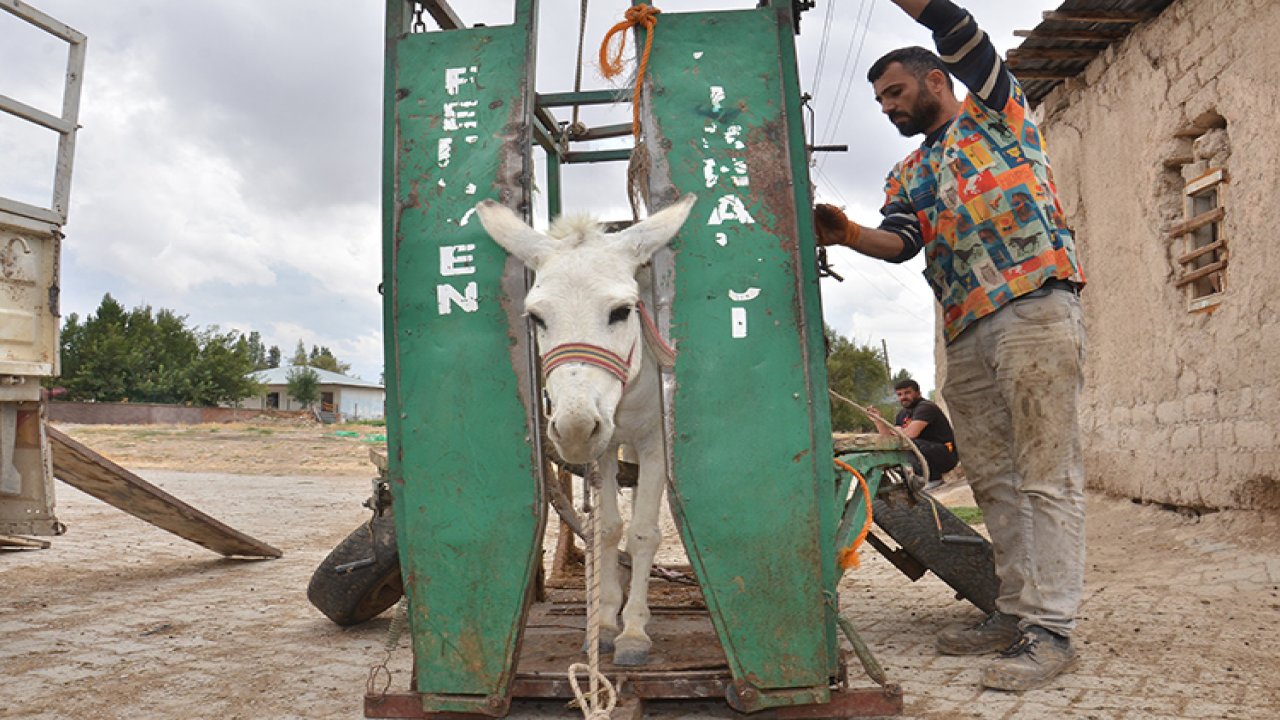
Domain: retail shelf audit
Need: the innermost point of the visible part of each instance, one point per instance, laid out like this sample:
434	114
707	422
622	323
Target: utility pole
888	370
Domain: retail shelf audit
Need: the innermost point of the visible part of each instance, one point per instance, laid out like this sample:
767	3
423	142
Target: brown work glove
833	228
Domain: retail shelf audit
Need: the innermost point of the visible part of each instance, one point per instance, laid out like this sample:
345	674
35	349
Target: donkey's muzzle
579	438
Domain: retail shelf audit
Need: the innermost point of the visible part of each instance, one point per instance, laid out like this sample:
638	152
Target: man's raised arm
965	49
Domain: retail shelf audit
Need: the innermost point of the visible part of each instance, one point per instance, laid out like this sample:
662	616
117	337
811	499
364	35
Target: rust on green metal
463	460
753	484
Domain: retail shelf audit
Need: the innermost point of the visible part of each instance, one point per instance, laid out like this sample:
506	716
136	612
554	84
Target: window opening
1198	244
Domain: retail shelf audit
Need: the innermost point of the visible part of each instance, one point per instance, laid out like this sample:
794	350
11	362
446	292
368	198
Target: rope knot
645	16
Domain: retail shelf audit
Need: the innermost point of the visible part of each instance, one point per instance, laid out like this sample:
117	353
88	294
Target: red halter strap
589	354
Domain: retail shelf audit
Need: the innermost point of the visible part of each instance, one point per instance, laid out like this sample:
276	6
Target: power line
835	125
822	48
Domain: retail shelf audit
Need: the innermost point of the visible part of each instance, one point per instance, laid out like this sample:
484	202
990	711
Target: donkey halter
588	354
608	360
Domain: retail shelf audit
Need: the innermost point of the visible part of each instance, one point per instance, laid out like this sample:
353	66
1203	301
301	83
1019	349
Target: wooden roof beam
1096	16
1038	74
1071	35
1025	53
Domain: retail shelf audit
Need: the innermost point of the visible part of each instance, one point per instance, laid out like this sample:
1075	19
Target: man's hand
882	426
912	7
833	227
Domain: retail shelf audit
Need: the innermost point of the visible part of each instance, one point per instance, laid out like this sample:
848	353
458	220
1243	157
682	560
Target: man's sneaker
993	633
1037	658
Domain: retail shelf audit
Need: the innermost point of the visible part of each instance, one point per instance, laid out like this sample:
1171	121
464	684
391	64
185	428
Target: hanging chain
419	25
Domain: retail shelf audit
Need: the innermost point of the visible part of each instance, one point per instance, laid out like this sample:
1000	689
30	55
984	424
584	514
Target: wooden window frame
1200	261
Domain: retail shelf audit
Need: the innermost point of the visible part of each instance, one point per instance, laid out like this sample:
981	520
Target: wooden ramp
83	468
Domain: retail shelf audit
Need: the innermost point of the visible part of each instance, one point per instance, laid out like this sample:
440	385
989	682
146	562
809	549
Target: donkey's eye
619	314
537	320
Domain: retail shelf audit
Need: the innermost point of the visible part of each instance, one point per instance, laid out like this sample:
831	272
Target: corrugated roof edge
1070	37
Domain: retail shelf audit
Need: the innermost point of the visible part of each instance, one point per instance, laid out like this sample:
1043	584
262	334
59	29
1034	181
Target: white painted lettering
717	97
456	260
460	115
455	78
730	208
447	296
738	322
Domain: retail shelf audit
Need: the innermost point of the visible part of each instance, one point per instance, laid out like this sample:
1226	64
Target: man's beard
923	115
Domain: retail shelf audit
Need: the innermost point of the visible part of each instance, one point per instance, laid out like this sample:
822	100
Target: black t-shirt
938	430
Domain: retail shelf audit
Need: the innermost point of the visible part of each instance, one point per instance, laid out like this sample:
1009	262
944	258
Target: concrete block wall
1180	407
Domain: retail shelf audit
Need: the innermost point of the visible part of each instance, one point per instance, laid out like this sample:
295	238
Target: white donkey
602	381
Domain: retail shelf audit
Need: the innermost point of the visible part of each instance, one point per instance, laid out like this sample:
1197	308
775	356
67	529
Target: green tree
258	351
144	356
303	385
323	358
320	357
96	355
221	370
299	355
273	357
858	373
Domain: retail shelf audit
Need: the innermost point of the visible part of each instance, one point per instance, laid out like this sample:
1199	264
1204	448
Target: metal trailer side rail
30	253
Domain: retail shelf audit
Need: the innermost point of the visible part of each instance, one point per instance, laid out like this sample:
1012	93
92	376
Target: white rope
590	702
924	464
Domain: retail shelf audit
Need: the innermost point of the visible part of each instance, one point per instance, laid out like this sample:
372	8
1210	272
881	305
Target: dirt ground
121	620
267	446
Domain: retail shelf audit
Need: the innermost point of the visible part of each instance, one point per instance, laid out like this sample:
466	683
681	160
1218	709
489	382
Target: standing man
926	425
978	197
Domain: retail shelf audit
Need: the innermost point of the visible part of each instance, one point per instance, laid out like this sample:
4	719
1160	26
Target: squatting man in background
926	425
977	196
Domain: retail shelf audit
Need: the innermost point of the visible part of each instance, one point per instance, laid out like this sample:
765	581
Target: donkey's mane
572	230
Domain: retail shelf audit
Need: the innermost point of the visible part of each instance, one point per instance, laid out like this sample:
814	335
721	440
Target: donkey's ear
656	230
513	234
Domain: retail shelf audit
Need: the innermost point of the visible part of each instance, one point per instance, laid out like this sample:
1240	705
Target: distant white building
351	398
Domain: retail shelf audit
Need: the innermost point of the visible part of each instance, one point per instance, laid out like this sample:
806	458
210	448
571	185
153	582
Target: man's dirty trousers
1012	388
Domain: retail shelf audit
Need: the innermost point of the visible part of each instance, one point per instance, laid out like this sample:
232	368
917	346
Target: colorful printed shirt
978	195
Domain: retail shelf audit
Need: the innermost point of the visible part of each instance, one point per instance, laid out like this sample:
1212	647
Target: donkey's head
583	307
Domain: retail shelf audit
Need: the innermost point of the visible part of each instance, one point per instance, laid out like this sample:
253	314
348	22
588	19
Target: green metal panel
872	464
463	459
753	484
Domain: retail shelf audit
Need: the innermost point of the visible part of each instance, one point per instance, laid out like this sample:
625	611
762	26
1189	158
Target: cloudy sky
229	162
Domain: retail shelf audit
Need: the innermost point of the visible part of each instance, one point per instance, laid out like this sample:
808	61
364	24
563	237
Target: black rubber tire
361	593
969	569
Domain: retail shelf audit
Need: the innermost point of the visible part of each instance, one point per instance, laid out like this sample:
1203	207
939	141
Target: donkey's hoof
631	652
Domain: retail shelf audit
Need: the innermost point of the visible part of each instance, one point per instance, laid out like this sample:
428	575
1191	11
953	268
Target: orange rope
647	17
848	556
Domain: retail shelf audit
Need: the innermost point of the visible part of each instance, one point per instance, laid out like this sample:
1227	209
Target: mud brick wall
1180	406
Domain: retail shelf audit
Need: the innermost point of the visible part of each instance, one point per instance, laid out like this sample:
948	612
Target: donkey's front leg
609	535
642	542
